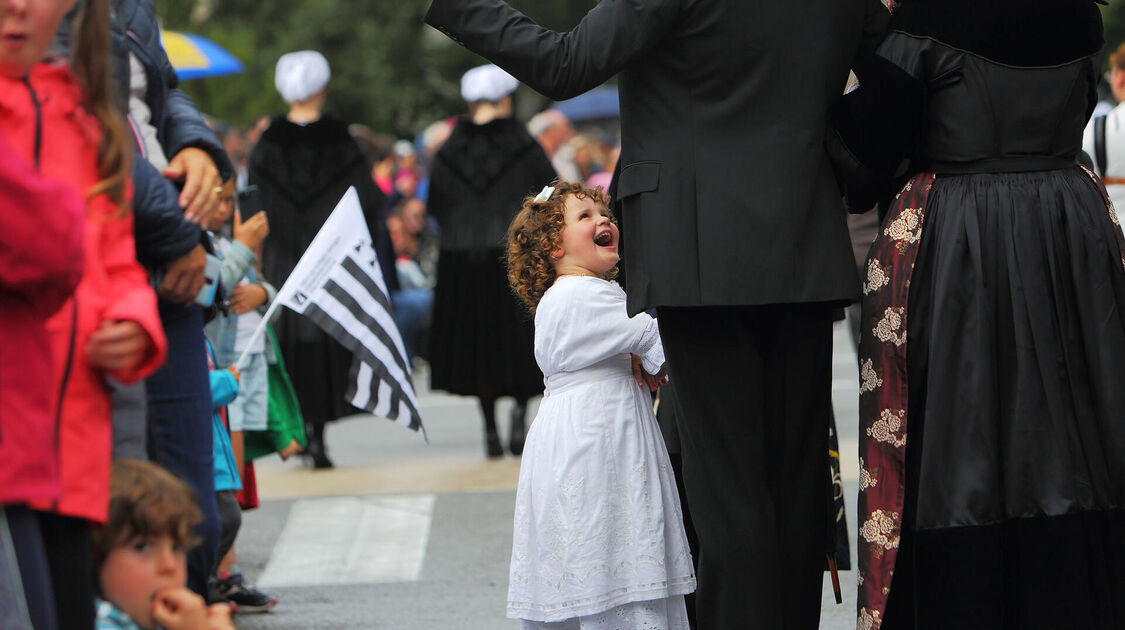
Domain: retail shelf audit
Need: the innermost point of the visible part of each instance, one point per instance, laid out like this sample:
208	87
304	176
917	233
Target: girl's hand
218	617
252	232
234	370
180	609
652	381
120	345
247	297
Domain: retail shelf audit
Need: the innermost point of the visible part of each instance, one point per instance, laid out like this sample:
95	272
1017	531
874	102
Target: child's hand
117	345
234	370
180	609
218	617
290	450
247	297
652	381
253	232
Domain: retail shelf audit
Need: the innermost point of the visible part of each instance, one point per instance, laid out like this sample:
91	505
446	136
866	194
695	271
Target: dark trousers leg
180	439
753	388
69	557
27	599
230	514
130	420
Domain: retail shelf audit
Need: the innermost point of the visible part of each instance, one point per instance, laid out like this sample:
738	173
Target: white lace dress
598	538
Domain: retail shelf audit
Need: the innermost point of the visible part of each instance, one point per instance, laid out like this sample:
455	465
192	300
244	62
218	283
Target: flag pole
241	363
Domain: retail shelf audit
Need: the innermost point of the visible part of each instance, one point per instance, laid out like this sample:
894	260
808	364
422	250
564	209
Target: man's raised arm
557	65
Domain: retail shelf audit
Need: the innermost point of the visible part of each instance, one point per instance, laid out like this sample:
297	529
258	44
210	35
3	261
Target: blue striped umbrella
193	56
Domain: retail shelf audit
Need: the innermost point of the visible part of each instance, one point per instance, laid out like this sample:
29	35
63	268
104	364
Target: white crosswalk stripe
351	540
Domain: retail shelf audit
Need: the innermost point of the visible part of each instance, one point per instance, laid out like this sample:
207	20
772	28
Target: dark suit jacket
728	195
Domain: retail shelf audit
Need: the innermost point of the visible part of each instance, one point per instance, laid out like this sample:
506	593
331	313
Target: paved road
409	535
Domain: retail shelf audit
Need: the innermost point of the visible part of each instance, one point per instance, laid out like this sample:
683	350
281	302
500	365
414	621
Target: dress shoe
492	446
317	454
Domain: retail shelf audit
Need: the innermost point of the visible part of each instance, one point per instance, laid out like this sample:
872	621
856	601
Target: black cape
482	335
302	172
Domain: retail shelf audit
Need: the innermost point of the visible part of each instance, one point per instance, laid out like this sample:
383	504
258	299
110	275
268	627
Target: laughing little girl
598	538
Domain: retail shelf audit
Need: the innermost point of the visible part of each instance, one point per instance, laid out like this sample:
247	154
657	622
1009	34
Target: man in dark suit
737	236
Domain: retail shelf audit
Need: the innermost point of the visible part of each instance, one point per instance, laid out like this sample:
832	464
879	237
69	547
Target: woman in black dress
303	164
992	408
482	339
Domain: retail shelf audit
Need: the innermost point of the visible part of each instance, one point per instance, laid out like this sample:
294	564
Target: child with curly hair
598	538
140	555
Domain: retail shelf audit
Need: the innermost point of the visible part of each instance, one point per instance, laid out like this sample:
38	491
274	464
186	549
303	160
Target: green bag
284	421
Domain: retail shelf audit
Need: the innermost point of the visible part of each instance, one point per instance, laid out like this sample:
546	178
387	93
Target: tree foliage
1113	16
389	70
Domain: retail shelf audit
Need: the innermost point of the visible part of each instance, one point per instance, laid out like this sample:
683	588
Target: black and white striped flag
338	285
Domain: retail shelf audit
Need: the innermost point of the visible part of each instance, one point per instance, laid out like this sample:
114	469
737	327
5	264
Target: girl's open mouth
604	239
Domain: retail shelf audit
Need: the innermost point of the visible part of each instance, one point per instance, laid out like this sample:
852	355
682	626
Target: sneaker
244	597
214	597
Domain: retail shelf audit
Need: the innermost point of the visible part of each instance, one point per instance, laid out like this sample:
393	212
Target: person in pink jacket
40	265
59	117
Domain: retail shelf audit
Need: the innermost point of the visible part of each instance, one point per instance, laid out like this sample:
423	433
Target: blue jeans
413	310
179	436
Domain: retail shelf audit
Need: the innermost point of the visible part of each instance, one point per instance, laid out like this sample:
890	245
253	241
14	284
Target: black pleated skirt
483	338
1014	512
318	366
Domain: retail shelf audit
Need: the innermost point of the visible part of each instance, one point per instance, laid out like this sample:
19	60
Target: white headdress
487	83
301	75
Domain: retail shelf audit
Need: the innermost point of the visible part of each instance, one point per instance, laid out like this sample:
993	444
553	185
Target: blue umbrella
193	56
598	104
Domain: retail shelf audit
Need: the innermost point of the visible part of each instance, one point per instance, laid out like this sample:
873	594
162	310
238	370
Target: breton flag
339	286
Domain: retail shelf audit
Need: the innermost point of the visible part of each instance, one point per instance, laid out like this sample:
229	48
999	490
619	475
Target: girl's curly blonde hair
536	232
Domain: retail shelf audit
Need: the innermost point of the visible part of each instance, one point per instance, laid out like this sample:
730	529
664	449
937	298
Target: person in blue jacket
224	389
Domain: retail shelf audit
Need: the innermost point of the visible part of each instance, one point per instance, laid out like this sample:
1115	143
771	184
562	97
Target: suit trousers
753	396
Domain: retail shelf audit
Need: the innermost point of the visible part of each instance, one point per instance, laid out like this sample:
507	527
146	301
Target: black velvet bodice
983	115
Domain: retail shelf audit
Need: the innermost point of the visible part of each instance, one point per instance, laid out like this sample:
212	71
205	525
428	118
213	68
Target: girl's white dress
598	539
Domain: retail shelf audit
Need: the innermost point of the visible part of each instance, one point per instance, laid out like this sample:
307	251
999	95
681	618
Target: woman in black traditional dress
481	343
303	164
992	410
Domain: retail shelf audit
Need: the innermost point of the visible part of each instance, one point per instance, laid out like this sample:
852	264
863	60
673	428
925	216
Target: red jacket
40	265
42	118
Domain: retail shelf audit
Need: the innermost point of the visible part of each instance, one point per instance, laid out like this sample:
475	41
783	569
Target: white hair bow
545	194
